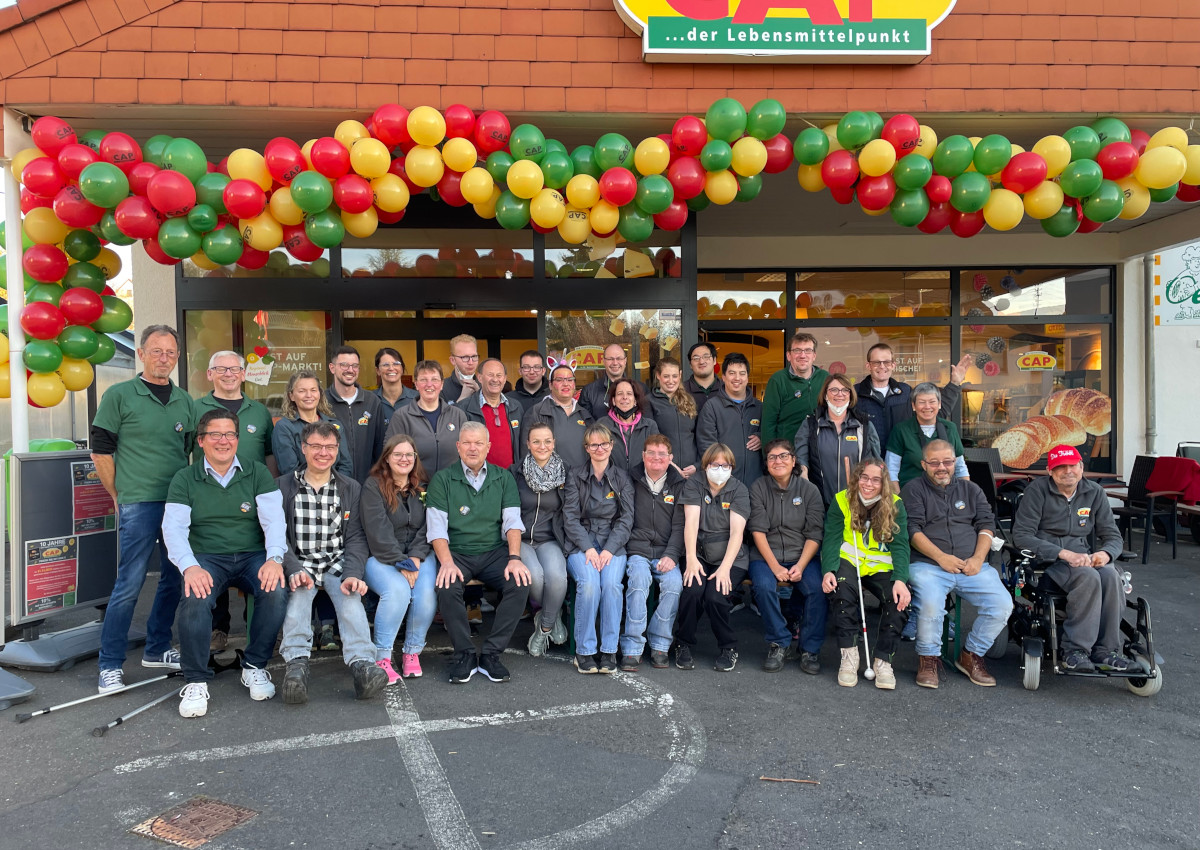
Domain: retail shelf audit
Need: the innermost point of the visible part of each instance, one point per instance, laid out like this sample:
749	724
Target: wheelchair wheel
1000	648
1145	687
1033	672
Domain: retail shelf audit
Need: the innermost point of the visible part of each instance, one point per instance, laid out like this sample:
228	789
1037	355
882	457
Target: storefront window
763	349
1035	292
279	264
921	353
603	257
582	336
872	294
741	295
448	253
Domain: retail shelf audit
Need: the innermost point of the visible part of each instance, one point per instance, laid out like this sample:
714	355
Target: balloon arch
80	193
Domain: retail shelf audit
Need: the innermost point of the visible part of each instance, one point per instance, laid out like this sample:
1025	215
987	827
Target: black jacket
568	429
897	405
597	512
542	513
818	443
396	536
679	429
657	520
437	449
594	397
527	399
788	517
362	428
627	450
354	555
724	420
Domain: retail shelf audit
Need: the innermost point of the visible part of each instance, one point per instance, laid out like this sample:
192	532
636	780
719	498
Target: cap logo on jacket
960	504
796	501
245	507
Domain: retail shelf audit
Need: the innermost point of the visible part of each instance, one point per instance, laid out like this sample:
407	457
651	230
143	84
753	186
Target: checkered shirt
319	530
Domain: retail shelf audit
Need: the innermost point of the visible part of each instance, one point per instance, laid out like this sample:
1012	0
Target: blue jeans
394	598
196	613
930	584
351	617
548	572
597	591
662	626
814	607
139	527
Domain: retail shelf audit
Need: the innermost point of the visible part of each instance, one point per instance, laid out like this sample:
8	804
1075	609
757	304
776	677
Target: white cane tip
870	674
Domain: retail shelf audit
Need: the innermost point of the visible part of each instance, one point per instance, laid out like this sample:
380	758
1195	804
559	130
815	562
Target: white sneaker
195	699
259	683
885	678
110	680
169	660
848	669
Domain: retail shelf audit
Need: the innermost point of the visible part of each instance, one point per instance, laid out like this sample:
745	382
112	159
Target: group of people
424	498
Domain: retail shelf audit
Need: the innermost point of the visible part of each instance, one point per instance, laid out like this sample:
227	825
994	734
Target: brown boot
975	669
927	672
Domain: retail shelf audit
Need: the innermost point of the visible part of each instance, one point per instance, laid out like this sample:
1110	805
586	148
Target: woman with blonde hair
675	412
304	402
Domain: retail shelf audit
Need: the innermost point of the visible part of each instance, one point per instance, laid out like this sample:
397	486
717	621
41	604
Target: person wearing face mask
906	443
879	554
716	506
389	370
833	439
631	421
566	417
594	397
734	418
675	412
433	423
500	415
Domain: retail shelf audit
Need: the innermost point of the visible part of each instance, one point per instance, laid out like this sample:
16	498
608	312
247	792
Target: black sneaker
810	663
369	680
491	666
1077	661
608	662
773	663
295	682
1113	662
683	657
462	667
630	663
585	664
726	661
659	659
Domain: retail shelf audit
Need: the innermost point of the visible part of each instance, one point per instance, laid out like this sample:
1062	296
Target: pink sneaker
386	666
410	664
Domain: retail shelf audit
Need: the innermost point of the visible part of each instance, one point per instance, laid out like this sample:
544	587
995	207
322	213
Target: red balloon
1139	138
329	157
839	170
842	194
491	132
353	193
1117	160
51	134
618	186
252	258
666	138
937	218
108	290
902	132
156	253
42	320
1087	225
1024	172
243	198
171	193
779	154
539	228
30	201
121	150
673	217
74	210
938	189
875	193
460	121
43	177
45	263
73	158
397	168
80	306
687	176
390	125
689	135
284	159
450	188
139	177
390	217
1188	193
297	243
137	218
222	167
966	225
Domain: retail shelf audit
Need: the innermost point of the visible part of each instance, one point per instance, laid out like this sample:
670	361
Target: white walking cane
869	673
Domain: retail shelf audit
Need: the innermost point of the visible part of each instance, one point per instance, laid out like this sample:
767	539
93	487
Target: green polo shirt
153	439
224	519
473	519
255	426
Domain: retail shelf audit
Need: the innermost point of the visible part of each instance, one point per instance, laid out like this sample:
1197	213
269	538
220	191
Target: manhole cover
194	823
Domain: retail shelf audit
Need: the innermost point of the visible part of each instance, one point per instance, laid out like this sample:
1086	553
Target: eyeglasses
881	362
346	367
869	479
226	370
403	455
157	353
837	391
719	466
656	454
322	448
598	447
701	358
469	358
805	351
542	444
939	464
221	436
563	380
780	457
537	368
393	365
620	359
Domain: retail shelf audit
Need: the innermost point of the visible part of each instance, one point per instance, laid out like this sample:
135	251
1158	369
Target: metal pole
1148	343
16	303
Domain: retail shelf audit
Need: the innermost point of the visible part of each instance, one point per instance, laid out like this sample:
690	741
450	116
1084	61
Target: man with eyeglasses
792	392
360	412
594	397
499	415
463	382
704	383
140	438
951	528
886	402
564	414
223	525
533	386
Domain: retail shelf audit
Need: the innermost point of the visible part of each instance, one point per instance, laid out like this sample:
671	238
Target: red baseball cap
1063	456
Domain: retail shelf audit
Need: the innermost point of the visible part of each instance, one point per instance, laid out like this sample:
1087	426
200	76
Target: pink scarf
625	427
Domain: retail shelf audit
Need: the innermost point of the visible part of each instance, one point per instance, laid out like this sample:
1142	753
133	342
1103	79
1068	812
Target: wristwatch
276	559
514	557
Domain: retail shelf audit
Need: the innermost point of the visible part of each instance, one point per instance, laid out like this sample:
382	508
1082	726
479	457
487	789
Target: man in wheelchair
1055	520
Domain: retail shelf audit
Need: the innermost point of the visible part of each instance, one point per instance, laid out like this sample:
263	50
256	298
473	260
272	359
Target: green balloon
92	138
497	165
512	212
1084	142
726	120
910	206
854	130
952	156
312	192
107	229
1062	223
223	246
584	160
875	121
42	355
557	169
716	155
1080	178
152	151
3	235
635	225
105	351
103	184
82	244
279	261
319	267
186	157
912	172
554	145
78	341
1109	129
654	194
210	191
202	218
811	147
765	119
177	239
116	316
527	142
325	229
1105	203
1160	196
992	153
3	318
699	203
48	293
612	150
969	191
85	275
748	188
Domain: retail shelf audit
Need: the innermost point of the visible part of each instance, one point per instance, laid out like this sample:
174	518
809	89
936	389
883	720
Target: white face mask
718	476
838	409
871	501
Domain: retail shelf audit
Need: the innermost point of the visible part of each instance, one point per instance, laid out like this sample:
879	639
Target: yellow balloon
583	191
974	140
391	193
476	185
750	156
652	156
284	209
575	227
810	178
1137	198
426	126
22	159
1016	149
246	164
604	217
487	209
75	374
306	150
370	158
830	130
5	388
423	165
201	260
349	132
1192	155
43	227
1043	200
1168	137
108	262
721	187
1160	167
3	350
525	178
1056	151
883	211
361	224
548	208
1004	209
877	158
262	232
459	154
927	144
46	389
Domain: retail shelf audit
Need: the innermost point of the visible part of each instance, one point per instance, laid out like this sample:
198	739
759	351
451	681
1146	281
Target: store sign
897	31
1037	361
1177	286
586	357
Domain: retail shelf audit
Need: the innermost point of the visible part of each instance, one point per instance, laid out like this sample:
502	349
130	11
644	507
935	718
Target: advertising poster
51	574
92	508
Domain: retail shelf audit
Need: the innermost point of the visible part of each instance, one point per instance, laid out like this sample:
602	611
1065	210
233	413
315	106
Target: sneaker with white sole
169	660
885	677
848	669
259	682
110	680
194	702
558	633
